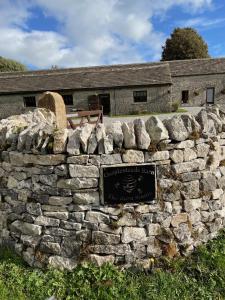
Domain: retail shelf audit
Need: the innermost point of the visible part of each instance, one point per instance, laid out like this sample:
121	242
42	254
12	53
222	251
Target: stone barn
120	89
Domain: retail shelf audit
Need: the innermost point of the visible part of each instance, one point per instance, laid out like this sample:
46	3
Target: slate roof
191	67
101	77
86	78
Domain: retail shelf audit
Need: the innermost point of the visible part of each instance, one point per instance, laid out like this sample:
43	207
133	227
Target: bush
175	106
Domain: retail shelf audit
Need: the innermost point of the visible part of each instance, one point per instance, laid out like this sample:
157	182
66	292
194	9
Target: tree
184	43
9	65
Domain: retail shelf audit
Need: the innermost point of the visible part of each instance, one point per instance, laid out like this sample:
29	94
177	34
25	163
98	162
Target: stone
85	134
57	200
189	166
133	156
101	260
176	128
202	119
50	248
190	190
30	241
129	135
112	159
185	144
71	246
55	103
26	228
144	219
60	141
159	155
62	263
202	150
209	183
156	130
178	219
86	198
77	216
191	124
194	217
108	144
127	219
100	135
182	233
83	171
34	209
44	160
110	229
92	143
192	204
189	154
177	156
217	122
61	170
97	217
153	248
116	130
142	137
12	183
50	179
61	215
28	256
78	160
216	194
153	229
119	249
73	145
70	225
58	232
46	221
77	183
102	238
133	234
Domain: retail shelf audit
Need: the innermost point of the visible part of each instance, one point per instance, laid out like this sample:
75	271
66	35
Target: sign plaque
129	183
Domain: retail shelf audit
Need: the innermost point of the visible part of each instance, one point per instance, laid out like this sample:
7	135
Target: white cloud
91	32
202	22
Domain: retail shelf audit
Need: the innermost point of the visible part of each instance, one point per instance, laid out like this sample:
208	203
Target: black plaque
129	184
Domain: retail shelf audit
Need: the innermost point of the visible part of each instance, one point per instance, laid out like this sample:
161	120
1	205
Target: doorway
104	100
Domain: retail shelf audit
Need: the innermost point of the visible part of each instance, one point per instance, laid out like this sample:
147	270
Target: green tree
184	43
9	65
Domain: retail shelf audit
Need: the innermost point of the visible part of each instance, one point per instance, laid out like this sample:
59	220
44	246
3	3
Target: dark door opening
104	100
185	96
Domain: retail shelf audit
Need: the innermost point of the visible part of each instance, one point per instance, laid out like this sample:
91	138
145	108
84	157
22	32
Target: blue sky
70	33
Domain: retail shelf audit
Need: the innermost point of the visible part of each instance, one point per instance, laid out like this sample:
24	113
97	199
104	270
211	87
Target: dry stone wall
51	211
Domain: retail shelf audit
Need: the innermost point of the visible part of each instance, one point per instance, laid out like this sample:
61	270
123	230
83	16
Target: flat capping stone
124	165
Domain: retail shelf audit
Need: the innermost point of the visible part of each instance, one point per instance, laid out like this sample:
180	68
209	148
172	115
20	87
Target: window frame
27	98
210	88
140	98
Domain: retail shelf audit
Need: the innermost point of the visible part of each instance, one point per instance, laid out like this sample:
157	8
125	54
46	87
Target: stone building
121	89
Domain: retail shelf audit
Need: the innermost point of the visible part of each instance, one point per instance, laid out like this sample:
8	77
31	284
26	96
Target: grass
200	276
180	110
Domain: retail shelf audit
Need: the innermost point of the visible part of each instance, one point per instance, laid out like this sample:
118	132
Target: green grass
180	110
200	276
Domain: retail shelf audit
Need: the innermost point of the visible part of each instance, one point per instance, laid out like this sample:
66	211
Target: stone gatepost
55	103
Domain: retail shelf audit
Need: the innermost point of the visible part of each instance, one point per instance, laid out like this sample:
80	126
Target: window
210	94
185	96
68	99
140	96
29	101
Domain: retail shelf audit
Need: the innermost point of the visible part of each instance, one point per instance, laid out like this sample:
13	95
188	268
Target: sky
72	33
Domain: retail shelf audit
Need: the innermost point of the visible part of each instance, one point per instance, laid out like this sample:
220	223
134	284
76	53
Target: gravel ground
108	120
